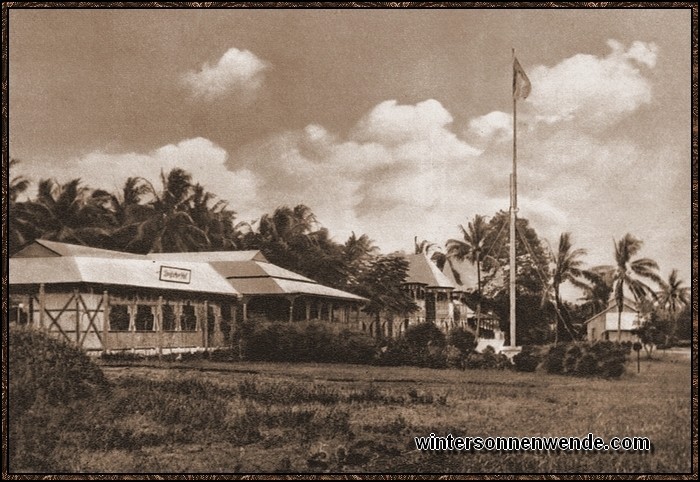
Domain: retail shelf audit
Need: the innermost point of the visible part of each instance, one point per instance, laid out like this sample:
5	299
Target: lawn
265	417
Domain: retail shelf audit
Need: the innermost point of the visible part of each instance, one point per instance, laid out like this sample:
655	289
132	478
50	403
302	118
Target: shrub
422	335
528	359
603	359
48	369
454	357
488	359
463	340
46	377
307	342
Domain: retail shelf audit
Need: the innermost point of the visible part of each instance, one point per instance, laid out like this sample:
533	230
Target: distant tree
532	278
167	225
22	228
424	247
293	239
214	218
627	273
358	253
657	331
566	267
674	297
18	184
67	213
381	284
472	247
596	294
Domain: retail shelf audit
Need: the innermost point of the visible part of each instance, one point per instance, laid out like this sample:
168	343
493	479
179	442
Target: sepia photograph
457	239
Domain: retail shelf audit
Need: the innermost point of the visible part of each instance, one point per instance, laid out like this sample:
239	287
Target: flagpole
513	210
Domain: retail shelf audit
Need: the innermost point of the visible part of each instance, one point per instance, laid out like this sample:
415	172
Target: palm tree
359	249
217	221
18	184
358	253
472	249
164	224
69	213
627	272
567	267
673	297
424	247
596	294
21	228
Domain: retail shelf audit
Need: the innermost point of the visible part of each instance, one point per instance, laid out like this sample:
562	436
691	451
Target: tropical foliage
472	247
629	273
180	215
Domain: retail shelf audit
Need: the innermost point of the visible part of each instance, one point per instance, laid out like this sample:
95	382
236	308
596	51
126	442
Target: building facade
604	325
109	301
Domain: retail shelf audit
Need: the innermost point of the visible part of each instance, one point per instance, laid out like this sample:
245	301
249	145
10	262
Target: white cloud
494	124
391	124
397	158
591	90
236	71
200	157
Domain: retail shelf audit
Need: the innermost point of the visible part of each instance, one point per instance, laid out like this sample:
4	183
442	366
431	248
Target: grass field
265	417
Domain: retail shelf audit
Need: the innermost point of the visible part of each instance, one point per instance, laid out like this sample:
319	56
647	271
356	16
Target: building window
144	318
119	318
188	319
169	320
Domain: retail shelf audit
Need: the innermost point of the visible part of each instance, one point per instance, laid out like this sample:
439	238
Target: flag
521	84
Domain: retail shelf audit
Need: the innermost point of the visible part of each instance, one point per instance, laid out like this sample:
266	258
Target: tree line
180	215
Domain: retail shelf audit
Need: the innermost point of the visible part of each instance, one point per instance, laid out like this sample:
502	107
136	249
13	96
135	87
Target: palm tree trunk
557	315
619	324
478	301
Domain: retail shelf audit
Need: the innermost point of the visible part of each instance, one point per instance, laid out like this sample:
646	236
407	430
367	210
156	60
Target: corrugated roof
226	272
42	248
422	270
211	256
143	273
256	269
258	278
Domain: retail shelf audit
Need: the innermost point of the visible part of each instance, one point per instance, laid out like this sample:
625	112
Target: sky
394	123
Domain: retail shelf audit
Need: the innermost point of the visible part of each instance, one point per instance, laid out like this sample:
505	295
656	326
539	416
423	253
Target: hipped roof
225	272
141	273
256	278
423	271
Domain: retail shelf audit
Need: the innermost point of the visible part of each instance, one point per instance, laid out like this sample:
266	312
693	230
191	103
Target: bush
48	369
600	359
422	335
528	359
422	345
463	340
307	342
47	376
488	359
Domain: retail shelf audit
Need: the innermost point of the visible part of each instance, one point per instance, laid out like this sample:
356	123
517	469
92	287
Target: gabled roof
423	271
42	248
612	305
141	273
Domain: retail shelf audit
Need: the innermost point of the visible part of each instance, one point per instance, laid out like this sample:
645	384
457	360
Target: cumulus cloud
494	124
592	90
202	158
396	158
236	71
